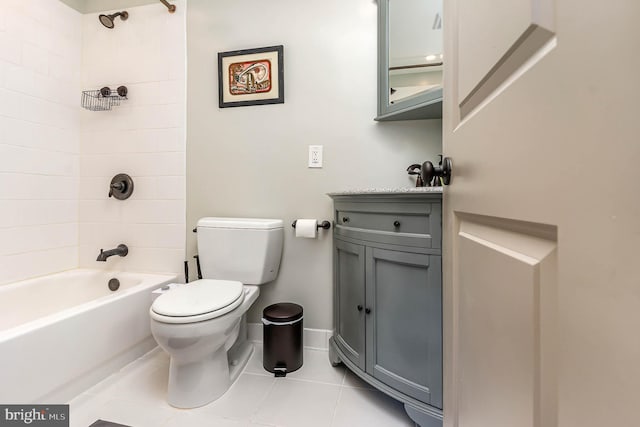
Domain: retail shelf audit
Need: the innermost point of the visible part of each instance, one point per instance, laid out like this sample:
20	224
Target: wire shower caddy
103	99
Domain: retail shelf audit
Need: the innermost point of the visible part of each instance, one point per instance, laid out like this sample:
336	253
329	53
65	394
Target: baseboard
317	339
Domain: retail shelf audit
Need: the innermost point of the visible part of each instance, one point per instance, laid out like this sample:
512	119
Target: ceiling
91	6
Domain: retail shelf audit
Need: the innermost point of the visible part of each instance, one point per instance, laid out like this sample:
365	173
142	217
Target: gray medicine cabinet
409	59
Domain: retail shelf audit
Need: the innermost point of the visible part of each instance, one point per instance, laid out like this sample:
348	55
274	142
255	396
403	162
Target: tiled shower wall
40	43
144	137
56	160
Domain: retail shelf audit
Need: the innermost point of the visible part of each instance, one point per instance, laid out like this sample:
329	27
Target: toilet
202	324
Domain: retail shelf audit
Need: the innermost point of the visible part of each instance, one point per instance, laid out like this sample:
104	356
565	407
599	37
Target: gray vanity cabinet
350	298
404	326
388	295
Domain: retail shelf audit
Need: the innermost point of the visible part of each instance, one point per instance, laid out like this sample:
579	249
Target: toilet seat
197	301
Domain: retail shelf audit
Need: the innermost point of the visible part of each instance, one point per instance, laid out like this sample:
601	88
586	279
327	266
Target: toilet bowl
202	324
198	336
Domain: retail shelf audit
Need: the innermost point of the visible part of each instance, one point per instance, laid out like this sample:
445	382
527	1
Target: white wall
39	137
144	137
252	161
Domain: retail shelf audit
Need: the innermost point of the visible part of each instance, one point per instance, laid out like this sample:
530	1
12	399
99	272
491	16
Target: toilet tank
244	249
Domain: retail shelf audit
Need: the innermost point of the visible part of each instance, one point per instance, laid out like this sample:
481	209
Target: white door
542	218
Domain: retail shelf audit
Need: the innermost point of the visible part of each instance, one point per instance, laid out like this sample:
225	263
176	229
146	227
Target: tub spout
121	250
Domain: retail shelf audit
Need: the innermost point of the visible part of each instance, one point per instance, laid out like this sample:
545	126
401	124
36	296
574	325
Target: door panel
404	328
528	156
494	42
503	292
349	294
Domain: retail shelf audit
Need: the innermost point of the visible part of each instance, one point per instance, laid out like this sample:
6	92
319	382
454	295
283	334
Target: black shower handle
121	186
118	186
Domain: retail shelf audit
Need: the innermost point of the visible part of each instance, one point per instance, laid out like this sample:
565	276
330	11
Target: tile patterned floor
317	395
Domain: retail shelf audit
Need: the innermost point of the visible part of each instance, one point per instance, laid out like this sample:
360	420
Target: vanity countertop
408	190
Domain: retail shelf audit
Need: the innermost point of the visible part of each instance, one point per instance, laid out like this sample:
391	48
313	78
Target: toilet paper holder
324	224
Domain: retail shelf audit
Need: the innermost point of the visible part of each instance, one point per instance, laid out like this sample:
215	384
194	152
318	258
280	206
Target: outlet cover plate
315	156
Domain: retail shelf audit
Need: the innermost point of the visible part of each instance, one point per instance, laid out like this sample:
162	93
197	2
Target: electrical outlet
315	156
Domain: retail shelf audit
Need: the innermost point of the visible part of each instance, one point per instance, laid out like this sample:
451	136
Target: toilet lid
200	300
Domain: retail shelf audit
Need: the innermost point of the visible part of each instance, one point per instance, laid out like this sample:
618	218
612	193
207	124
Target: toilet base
193	384
199	383
240	353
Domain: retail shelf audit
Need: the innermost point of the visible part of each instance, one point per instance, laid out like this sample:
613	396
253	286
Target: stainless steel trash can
282	337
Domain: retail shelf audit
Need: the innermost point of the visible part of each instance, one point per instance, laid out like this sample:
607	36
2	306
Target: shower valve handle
121	186
118	186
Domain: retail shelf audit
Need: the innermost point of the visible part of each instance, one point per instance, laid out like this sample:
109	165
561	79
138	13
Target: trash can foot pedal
280	371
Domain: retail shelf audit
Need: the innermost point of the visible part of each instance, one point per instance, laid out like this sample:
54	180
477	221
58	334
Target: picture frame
251	77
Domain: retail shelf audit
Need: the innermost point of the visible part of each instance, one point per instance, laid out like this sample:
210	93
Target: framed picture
251	77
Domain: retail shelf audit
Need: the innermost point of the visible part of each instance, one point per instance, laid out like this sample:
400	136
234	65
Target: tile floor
317	395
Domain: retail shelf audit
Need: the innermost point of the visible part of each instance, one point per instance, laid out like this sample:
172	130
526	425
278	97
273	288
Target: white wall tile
3	67
39	143
35	58
18	186
43	212
12	103
159	164
171	187
156	235
154	212
144	137
102	165
27	160
25	134
9	214
20	79
37	263
3	22
20	240
161	260
157	116
146	187
157	93
63	70
10	48
104	235
106	210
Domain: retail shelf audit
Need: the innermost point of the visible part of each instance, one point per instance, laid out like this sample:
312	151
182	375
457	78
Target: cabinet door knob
367	310
359	307
396	223
345	219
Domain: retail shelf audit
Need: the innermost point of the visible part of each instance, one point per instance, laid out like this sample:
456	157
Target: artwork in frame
251	77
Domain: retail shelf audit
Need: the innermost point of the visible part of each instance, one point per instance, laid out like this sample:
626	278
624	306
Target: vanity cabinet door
404	322
349	300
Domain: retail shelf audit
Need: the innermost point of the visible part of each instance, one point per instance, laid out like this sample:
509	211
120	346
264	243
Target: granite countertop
407	190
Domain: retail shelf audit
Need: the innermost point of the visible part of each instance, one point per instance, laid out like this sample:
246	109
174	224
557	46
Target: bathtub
62	333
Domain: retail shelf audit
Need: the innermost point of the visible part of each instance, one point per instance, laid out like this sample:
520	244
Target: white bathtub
62	333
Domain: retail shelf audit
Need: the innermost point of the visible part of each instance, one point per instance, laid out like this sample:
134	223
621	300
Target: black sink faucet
121	250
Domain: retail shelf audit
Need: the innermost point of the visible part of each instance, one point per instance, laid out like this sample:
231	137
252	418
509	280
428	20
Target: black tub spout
121	250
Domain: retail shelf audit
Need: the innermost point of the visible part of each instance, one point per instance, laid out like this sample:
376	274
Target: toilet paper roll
307	228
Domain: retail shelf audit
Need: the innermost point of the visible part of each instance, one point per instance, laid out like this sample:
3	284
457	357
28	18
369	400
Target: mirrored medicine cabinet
409	59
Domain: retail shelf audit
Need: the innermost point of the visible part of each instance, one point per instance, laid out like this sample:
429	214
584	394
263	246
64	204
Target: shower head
107	20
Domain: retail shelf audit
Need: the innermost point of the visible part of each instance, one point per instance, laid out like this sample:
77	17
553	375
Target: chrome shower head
107	20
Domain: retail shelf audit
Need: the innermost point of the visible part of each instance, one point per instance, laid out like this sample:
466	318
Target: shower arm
171	7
